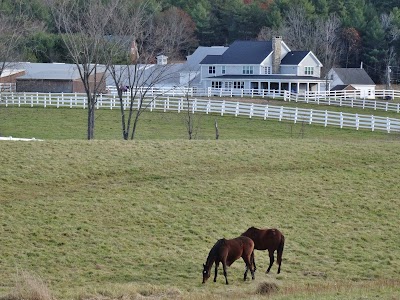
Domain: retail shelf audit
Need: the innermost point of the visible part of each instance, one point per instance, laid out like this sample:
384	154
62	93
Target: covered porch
270	83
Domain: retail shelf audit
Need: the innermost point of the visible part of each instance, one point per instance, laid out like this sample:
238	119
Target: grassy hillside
60	124
111	219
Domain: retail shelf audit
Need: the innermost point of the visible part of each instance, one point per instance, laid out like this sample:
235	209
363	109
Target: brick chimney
276	55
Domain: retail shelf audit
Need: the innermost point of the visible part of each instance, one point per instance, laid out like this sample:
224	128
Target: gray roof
339	87
200	53
353	76
148	75
294	57
48	71
242	52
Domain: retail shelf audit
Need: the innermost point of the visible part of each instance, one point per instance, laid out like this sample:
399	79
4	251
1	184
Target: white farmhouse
266	65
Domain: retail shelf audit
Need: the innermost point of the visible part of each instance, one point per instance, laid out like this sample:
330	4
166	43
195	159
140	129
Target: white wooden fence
294	114
335	98
344	99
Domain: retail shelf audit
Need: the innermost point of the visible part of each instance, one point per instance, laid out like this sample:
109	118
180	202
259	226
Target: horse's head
206	273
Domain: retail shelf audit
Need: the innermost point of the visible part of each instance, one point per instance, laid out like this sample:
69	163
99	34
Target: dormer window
309	70
248	70
211	70
267	70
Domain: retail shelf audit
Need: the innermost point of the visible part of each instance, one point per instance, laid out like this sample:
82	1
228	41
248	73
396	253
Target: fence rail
335	98
342	99
294	114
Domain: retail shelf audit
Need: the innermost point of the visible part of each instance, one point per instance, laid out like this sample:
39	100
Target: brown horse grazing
267	239
228	251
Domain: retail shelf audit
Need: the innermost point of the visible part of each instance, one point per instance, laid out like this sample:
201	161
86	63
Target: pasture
110	219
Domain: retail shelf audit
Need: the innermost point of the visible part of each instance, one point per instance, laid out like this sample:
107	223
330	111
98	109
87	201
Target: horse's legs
225	274
279	260
216	271
249	265
254	261
280	252
271	259
252	264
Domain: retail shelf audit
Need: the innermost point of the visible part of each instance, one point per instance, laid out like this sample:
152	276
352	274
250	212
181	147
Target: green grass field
108	219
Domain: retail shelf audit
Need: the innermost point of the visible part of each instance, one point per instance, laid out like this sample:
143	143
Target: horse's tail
280	252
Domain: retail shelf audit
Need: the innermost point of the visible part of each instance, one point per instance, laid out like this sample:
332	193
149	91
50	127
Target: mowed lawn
108	218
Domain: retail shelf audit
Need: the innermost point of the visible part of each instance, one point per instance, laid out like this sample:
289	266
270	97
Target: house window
211	70
216	84
309	70
238	85
228	85
223	69
267	70
248	70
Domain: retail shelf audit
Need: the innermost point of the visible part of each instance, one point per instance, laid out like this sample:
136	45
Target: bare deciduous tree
321	36
13	28
83	26
143	35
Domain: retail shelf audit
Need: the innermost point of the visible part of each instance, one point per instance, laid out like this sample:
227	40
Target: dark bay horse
267	239
228	251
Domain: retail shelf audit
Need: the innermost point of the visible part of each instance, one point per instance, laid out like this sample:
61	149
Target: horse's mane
214	250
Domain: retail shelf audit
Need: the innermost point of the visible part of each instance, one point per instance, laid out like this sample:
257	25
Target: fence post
311	114
194	106
357	122
341	120
237	109
223	108
266	112
388	125
372	122
281	113
296	113
208	107
251	110
326	118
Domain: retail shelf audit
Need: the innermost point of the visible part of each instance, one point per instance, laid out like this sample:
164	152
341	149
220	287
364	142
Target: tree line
342	33
120	36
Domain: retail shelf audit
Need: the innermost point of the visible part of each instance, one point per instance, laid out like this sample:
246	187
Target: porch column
308	86
298	87
279	86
